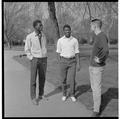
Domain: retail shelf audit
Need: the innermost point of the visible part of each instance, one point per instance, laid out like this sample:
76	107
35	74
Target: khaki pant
96	74
68	72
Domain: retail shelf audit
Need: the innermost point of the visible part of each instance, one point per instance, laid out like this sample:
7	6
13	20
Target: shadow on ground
111	93
82	89
79	90
56	91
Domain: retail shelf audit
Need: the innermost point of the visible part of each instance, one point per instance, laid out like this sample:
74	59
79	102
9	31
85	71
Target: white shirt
33	48
67	47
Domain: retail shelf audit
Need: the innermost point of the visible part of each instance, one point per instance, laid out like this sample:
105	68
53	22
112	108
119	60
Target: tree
107	11
109	17
19	16
11	13
52	15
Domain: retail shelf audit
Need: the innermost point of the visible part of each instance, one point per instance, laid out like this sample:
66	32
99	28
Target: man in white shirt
68	57
36	51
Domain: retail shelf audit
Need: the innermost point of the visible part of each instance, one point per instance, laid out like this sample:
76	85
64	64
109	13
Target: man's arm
77	55
103	53
58	56
58	50
28	48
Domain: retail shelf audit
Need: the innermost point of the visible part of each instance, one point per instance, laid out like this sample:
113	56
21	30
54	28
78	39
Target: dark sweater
100	50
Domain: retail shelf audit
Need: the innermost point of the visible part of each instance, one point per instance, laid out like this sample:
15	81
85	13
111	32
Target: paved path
17	99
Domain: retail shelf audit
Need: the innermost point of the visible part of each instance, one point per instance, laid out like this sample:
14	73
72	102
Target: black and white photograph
60	59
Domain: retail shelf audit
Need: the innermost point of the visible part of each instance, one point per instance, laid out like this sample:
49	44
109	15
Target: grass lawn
109	105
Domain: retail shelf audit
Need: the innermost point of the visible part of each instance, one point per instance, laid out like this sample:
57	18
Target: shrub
83	41
17	42
113	41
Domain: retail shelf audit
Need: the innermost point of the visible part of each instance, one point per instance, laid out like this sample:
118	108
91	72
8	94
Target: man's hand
78	61
58	57
96	59
58	60
78	67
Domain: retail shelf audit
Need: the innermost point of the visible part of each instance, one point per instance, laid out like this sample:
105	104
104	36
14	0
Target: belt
40	57
68	58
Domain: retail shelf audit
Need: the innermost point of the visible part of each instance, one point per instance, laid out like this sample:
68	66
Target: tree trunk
90	18
108	31
8	41
109	19
52	14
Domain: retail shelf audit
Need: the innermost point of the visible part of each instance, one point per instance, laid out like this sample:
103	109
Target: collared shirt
33	48
67	47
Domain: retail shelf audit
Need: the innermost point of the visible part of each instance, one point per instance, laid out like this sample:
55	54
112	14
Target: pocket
44	61
63	60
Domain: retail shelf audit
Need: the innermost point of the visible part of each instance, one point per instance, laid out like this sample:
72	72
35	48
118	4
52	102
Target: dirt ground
109	107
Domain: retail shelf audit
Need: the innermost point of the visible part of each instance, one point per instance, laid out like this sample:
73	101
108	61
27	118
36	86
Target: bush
113	41
17	42
83	41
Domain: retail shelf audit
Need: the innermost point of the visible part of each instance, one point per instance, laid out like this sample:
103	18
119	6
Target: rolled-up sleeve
27	48
58	47
76	46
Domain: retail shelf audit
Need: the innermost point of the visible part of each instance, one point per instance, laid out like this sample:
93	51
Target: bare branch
71	8
5	18
36	8
115	11
84	11
98	6
13	8
36	5
11	35
10	29
19	10
87	3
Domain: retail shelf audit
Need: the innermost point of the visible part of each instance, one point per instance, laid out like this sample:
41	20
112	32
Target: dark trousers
68	72
38	65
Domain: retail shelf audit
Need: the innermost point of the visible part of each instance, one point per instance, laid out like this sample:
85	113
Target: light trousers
96	74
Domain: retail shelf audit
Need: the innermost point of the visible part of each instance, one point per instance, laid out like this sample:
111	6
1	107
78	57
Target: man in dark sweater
99	55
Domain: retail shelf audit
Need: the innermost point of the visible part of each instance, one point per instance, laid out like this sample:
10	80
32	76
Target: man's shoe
39	98
42	98
95	114
35	102
64	98
90	108
73	98
90	90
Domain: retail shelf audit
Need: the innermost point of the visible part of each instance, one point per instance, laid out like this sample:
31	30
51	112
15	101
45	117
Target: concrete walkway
17	98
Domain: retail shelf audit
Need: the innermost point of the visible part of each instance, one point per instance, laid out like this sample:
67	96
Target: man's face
39	27
67	32
93	26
